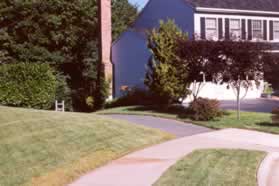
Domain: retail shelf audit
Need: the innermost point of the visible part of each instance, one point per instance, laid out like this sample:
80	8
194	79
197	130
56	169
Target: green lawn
47	148
214	167
249	120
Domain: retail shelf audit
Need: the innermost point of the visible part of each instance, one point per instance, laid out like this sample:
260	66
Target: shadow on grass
268	124
178	110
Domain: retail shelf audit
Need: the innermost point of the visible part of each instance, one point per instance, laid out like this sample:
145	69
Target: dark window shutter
243	29
249	29
220	28
203	28
264	30
227	29
271	37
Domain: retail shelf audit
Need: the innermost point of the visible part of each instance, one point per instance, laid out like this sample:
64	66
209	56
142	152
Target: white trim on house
217	10
198	16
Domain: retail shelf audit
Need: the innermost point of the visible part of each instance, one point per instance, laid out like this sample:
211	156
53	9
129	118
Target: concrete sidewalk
144	167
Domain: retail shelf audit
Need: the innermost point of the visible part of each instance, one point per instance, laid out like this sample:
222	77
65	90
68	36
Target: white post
59	107
56	105
63	106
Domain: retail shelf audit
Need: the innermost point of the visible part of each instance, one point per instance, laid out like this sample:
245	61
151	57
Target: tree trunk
238	103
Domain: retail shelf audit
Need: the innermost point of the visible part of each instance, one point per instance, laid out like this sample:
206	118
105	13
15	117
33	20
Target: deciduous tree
197	56
240	64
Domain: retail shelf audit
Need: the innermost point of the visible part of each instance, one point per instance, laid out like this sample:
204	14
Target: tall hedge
27	85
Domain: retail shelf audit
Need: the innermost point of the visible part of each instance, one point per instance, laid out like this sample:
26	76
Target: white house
211	19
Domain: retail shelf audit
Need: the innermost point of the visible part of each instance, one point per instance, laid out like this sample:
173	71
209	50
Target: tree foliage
166	77
240	65
271	70
61	33
197	57
123	15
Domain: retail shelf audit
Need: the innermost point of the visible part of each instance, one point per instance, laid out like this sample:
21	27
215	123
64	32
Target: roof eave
235	11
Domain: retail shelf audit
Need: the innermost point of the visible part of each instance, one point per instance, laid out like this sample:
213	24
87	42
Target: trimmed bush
27	85
204	109
275	116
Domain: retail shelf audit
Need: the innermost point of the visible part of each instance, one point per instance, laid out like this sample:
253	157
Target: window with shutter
276	30
235	28
257	29
211	28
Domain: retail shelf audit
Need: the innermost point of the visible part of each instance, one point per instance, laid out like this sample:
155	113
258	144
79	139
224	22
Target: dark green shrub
133	97
27	85
275	116
204	109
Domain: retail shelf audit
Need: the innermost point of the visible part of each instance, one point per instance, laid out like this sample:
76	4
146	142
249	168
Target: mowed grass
48	148
249	120
214	167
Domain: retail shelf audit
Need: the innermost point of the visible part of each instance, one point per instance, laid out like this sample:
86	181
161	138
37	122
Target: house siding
129	56
156	10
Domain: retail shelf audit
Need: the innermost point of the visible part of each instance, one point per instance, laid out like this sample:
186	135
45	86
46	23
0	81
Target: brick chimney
106	37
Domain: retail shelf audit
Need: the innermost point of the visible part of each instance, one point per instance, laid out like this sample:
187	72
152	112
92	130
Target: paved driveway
250	105
179	129
253	105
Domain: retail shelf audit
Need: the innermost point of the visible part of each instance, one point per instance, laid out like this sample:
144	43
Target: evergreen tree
167	76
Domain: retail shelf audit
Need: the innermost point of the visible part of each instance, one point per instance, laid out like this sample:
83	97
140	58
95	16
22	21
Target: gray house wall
130	54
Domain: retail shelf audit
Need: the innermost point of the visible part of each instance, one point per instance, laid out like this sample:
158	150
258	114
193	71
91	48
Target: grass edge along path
43	148
249	120
214	167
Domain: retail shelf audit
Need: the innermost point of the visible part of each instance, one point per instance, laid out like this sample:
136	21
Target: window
257	29
276	29
235	28
211	28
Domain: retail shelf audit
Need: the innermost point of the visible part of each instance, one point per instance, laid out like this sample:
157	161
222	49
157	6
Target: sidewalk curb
265	168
